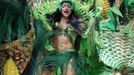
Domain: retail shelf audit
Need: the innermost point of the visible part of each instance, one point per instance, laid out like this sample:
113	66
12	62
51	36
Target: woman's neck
65	19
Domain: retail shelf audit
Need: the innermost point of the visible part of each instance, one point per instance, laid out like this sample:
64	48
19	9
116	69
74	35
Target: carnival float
106	45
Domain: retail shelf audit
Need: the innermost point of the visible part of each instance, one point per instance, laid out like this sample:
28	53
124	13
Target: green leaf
97	39
126	30
107	24
116	11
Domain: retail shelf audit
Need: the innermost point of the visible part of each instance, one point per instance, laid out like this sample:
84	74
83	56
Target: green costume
58	61
114	50
94	38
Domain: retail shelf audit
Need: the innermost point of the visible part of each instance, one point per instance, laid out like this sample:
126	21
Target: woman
67	29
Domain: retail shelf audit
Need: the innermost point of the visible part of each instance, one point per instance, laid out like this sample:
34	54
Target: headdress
60	3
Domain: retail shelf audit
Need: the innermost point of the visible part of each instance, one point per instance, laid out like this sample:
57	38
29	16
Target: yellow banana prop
10	68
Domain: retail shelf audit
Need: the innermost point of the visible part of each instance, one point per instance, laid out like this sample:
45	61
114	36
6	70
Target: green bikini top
70	31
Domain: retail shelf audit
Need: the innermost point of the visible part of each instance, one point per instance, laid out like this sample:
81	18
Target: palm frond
13	25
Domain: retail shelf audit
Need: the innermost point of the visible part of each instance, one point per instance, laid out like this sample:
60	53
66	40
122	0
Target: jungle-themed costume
100	41
94	45
56	60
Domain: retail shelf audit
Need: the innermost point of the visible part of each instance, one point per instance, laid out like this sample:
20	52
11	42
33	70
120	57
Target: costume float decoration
17	36
117	50
93	38
48	7
100	40
10	67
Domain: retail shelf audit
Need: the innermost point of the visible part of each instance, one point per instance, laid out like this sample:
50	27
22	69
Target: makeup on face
66	9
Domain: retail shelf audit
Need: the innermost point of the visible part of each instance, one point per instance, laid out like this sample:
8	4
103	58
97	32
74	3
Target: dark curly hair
73	18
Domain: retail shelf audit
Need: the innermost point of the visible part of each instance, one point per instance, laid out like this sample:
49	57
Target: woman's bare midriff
62	42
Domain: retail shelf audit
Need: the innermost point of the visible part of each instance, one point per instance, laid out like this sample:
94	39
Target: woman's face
66	9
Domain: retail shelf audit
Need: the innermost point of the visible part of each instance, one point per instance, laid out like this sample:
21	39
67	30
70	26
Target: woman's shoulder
81	23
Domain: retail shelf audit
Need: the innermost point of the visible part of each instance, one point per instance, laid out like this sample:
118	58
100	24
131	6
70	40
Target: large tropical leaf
116	11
